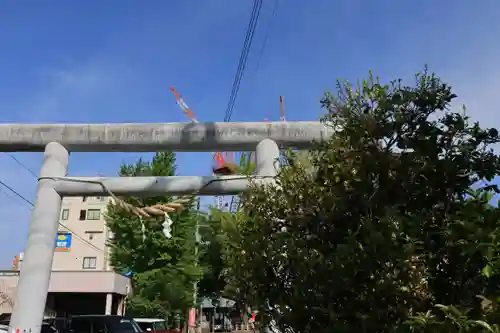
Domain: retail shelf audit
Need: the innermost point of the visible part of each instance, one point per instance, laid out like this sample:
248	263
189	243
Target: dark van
102	324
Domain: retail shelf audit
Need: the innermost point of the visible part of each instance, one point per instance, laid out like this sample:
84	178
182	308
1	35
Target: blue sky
113	61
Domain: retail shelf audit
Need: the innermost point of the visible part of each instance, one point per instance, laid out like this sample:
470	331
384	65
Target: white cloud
65	92
63	95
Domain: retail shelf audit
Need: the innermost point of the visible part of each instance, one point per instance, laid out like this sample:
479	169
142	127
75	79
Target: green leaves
378	224
164	269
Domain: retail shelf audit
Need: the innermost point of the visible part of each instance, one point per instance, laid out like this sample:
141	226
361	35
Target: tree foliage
213	230
212	282
378	229
164	270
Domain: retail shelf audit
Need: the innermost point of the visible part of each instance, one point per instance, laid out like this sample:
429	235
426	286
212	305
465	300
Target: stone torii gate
57	140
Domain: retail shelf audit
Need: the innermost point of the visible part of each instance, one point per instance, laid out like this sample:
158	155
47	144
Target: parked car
154	325
102	324
5	317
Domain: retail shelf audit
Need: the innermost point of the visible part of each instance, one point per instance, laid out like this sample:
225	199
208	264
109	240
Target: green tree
378	225
246	164
213	281
164	269
213	233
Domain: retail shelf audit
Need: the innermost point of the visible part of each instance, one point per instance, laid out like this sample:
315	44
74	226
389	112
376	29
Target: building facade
81	242
82	279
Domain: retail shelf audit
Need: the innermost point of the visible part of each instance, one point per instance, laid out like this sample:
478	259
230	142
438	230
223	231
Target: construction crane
184	107
223	162
282	109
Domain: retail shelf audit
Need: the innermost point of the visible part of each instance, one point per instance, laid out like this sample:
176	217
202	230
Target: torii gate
57	140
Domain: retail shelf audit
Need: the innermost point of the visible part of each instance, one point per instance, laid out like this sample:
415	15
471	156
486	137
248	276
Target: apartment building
82	280
82	237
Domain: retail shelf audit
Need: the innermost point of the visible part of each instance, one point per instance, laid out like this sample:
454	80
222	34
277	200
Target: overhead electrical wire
20	196
266	35
252	25
7	195
23	166
243	58
17	194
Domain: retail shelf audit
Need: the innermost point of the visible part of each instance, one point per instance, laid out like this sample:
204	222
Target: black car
102	324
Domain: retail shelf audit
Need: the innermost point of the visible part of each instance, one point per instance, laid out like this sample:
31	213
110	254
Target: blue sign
63	241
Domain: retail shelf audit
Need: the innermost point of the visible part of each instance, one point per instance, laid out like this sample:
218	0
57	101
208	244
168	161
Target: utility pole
192	312
198	322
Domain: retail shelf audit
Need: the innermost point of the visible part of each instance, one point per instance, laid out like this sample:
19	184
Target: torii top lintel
151	137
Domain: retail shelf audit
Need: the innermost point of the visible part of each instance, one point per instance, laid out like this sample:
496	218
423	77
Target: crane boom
184	107
282	109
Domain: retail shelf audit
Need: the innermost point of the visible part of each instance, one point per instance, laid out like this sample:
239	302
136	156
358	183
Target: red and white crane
282	110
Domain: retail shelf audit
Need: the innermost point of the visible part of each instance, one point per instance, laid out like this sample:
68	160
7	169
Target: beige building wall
83	218
84	266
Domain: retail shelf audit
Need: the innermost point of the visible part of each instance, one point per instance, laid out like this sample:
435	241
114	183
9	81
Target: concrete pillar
109	304
121	305
34	278
267	156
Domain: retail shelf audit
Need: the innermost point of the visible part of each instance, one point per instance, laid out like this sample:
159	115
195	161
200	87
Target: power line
266	35
32	205
23	166
252	24
243	58
8	196
19	195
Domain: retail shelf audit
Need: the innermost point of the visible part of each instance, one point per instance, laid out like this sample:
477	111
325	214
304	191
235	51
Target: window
80	325
146	327
94	324
160	326
100	198
47	328
99	326
89	262
127	326
92	234
83	215
93	214
65	214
